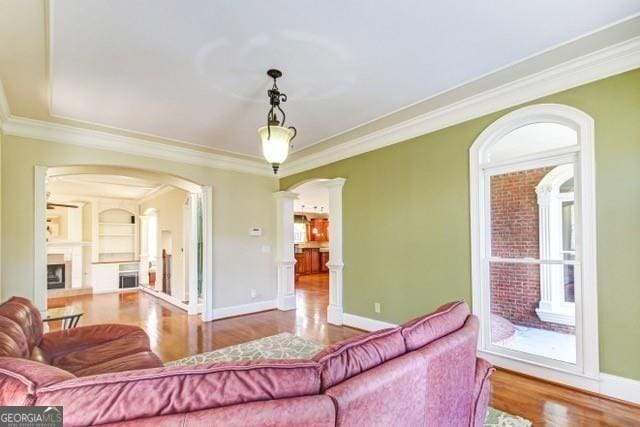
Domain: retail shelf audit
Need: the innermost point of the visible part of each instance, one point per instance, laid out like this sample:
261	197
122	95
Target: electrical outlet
254	293
376	307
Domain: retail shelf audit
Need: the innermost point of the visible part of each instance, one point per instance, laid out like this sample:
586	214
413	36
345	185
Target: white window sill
560	317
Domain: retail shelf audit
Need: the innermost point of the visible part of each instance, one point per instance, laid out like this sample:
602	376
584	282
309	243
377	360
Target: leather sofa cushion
348	358
27	316
315	411
13	343
178	389
446	319
20	378
141	360
81	358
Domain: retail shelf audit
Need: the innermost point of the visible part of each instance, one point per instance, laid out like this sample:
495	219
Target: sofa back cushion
348	358
21	378
27	316
426	329
13	343
130	395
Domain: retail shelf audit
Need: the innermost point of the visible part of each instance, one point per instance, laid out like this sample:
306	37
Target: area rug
289	346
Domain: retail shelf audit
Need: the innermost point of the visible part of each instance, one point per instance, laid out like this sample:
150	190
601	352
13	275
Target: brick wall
515	288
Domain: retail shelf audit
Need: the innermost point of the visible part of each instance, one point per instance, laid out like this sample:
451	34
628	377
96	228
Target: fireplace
55	276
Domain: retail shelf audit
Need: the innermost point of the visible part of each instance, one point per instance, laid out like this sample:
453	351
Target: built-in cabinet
318	230
311	261
115	244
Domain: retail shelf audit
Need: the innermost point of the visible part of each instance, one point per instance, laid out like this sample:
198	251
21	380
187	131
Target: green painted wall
406	219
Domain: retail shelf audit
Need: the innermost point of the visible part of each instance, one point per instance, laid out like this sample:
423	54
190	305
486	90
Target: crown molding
616	59
88	138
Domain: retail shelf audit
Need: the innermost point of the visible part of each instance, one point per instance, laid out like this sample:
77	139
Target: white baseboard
607	385
620	388
168	298
111	291
238	310
365	323
286	303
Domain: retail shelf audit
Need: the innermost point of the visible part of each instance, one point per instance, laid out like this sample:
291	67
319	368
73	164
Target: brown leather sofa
82	351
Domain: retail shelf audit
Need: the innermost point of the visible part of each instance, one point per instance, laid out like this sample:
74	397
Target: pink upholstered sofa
424	373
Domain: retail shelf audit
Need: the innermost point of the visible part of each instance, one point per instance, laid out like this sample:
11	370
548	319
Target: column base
334	315
287	302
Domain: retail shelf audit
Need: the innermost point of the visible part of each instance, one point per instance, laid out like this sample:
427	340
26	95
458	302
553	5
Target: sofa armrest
55	344
481	392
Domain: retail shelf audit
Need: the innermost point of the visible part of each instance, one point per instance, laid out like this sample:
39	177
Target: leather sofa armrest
481	392
65	341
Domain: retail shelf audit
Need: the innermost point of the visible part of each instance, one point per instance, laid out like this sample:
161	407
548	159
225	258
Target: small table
69	316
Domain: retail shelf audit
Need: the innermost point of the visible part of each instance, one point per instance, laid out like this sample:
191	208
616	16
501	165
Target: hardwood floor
174	334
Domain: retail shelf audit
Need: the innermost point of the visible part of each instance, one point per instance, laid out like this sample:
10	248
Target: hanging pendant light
276	138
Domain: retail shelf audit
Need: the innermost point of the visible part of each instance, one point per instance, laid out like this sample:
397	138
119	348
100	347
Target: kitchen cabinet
324	259
318	230
311	261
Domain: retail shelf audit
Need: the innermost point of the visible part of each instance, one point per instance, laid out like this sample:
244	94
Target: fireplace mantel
72	252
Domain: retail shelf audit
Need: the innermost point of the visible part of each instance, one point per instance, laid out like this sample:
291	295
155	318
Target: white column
550	236
143	275
191	252
335	264
285	259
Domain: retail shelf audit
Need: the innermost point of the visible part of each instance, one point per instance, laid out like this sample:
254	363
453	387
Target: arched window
533	240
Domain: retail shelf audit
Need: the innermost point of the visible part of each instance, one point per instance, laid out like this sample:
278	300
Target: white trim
89	138
335	264
40	238
207	254
110	291
239	310
5	111
614	386
612	60
159	294
365	323
587	351
620	388
285	258
598	65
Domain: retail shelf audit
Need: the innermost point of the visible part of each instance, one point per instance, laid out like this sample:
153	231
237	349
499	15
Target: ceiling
195	71
313	197
76	187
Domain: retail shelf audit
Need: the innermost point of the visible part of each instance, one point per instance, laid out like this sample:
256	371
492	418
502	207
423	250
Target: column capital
285	195
335	182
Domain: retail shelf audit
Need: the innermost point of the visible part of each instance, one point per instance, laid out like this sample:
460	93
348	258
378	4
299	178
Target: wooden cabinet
324	259
318	230
311	261
301	260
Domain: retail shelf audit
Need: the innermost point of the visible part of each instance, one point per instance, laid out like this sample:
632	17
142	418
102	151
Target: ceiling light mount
276	138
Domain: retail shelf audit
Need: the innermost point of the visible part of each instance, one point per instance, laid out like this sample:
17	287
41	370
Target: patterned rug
289	346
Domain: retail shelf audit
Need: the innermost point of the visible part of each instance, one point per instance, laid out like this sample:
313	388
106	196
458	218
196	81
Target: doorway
309	251
115	232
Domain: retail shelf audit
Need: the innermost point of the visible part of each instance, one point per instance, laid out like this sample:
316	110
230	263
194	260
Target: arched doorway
285	257
199	203
532	188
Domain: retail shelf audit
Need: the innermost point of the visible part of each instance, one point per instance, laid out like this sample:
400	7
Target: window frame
587	353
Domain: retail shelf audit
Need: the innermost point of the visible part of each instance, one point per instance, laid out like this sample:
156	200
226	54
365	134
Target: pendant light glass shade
275	148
